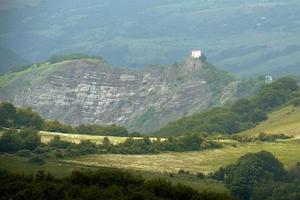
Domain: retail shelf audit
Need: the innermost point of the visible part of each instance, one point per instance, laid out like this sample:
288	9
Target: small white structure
268	79
196	54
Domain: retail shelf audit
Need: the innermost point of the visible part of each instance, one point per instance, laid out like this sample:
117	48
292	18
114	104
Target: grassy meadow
285	120
60	168
206	161
76	138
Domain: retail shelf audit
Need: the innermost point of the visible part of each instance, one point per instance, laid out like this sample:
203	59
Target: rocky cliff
90	91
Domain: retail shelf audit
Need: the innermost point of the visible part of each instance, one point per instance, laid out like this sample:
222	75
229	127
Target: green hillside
242	115
285	120
246	37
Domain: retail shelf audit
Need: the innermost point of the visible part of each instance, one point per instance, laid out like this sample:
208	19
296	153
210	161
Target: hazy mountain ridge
246	37
89	91
10	60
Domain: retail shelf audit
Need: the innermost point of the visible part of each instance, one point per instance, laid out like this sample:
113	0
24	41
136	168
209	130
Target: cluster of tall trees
260	176
242	115
15	140
10	116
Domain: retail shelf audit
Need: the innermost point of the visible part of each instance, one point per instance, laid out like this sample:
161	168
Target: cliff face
88	91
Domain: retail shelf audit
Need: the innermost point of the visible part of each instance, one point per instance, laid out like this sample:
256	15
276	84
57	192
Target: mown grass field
203	161
59	168
76	138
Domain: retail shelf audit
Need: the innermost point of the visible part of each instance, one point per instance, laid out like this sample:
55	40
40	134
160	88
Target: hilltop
88	90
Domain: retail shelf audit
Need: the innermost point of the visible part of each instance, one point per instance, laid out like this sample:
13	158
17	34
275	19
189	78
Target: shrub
36	161
24	153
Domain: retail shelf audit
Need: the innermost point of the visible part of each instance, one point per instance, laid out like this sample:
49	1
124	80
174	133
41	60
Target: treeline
15	141
75	56
260	176
95	185
242	115
12	117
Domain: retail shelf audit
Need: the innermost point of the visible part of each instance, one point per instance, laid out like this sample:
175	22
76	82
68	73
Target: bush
24	153
200	175
36	161
210	145
296	102
14	140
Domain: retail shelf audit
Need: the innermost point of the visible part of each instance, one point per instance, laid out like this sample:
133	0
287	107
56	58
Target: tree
7	114
251	170
29	119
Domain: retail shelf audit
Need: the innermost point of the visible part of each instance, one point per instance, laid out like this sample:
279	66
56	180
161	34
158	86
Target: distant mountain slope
89	91
9	60
245	37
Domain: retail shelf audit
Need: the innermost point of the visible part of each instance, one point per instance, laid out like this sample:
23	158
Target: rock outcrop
88	91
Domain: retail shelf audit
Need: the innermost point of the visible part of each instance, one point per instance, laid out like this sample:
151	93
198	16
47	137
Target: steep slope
245	37
9	60
89	91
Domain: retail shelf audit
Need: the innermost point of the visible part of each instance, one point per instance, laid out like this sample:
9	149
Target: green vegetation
12	117
242	115
282	121
100	184
59	169
206	161
60	58
12	140
258	176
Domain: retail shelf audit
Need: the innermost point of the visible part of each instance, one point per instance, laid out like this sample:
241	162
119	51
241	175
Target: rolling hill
245	37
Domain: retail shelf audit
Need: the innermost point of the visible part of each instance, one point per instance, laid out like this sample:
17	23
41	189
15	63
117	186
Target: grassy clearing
203	161
76	138
59	168
286	121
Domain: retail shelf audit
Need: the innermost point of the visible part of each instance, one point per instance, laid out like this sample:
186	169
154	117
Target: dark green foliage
276	94
14	140
251	170
296	101
36	161
242	115
277	191
10	116
263	137
59	58
24	153
111	130
7	114
101	184
29	119
132	146
216	120
56	126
